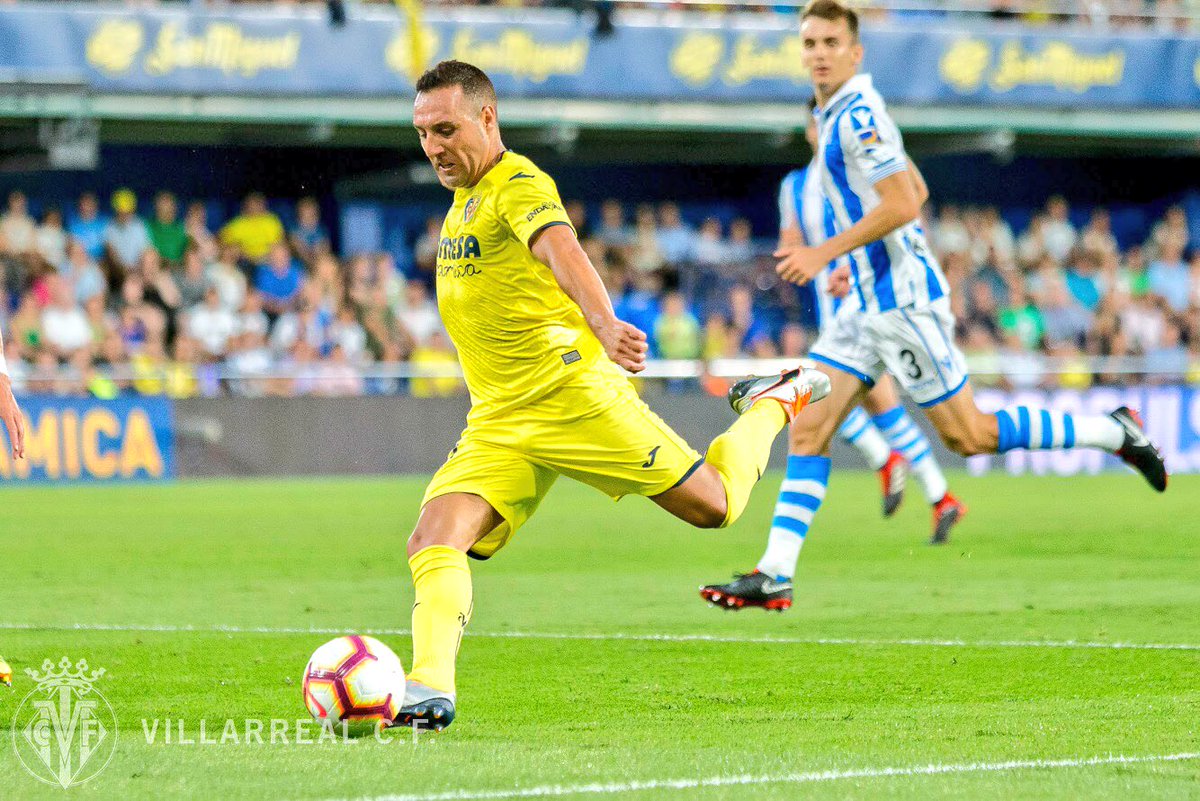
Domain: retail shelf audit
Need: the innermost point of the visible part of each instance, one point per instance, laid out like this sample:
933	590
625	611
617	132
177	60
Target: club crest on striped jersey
470	209
862	119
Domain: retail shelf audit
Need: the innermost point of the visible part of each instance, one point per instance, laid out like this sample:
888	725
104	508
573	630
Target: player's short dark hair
832	11
474	82
812	103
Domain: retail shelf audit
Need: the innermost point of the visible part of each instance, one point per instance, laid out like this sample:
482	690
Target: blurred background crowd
149	295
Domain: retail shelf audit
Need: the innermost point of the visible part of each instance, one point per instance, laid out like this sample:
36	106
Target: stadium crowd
113	297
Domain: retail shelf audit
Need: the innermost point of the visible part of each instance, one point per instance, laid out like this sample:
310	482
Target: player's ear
856	52
488	116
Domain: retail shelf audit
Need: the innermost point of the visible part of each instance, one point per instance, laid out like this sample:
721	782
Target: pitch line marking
552	790
550	635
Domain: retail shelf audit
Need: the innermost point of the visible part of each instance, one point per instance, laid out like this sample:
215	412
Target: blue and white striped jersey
801	205
860	146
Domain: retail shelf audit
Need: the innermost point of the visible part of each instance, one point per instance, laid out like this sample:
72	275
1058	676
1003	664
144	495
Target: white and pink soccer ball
354	680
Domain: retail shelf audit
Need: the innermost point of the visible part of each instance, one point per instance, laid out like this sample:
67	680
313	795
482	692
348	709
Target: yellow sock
440	614
740	454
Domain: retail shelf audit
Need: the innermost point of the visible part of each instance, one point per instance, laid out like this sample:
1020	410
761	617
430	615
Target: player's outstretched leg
769	585
717	493
968	431
861	432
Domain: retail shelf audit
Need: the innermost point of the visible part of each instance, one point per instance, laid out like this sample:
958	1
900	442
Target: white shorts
916	345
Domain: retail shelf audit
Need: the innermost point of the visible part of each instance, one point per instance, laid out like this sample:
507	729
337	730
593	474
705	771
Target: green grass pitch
897	656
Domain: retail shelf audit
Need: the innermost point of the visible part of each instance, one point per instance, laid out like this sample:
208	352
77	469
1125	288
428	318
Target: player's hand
799	264
625	344
839	281
10	413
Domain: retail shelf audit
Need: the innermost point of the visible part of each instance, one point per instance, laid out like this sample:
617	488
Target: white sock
1098	431
860	432
783	551
929	474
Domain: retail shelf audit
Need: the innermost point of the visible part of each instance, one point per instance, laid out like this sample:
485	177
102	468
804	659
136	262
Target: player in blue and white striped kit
881	430
898	317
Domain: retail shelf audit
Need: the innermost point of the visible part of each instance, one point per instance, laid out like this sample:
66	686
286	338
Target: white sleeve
872	140
788	216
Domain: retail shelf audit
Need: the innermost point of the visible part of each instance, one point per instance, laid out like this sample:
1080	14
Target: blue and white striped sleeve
872	140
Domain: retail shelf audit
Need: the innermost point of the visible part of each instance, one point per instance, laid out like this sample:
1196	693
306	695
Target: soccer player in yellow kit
542	354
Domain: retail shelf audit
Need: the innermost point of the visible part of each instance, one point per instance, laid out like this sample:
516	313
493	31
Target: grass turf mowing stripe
553	790
550	635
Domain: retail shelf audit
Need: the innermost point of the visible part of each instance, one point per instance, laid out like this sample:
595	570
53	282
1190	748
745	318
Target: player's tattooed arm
10	413
897	206
557	248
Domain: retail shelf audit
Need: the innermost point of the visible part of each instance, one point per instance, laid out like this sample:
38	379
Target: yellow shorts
596	430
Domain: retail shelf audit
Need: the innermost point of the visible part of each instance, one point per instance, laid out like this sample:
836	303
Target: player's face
455	135
830	52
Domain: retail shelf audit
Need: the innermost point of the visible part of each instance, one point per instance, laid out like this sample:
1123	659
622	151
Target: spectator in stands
638	304
1169	276
191	278
746	325
612	230
252	361
50	241
949	233
1031	245
677	331
360	279
338	378
740	249
327	282
256	231
1072	366
577	214
195	224
645	254
1060	234
226	277
419	315
1084	279
675	238
983	358
18	227
167	233
435	355
160	291
710	248
89	226
349	335
999	243
426	250
1097	236
793	343
308	323
1021	367
308	234
1064	318
211	324
81	273
125	238
1021	317
251	319
64	326
982	310
1142	322
1168	361
279	281
1172	227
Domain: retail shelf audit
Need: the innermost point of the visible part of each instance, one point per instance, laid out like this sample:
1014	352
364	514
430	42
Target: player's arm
557	247
898	205
919	185
9	411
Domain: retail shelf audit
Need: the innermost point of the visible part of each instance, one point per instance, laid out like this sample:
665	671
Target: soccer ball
354	680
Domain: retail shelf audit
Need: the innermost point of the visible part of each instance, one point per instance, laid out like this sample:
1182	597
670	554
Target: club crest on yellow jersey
470	208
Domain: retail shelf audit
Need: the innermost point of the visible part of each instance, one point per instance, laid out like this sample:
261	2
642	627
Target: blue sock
1035	429
903	434
799	497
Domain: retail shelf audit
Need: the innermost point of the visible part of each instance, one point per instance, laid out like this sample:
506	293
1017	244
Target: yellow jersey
519	336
